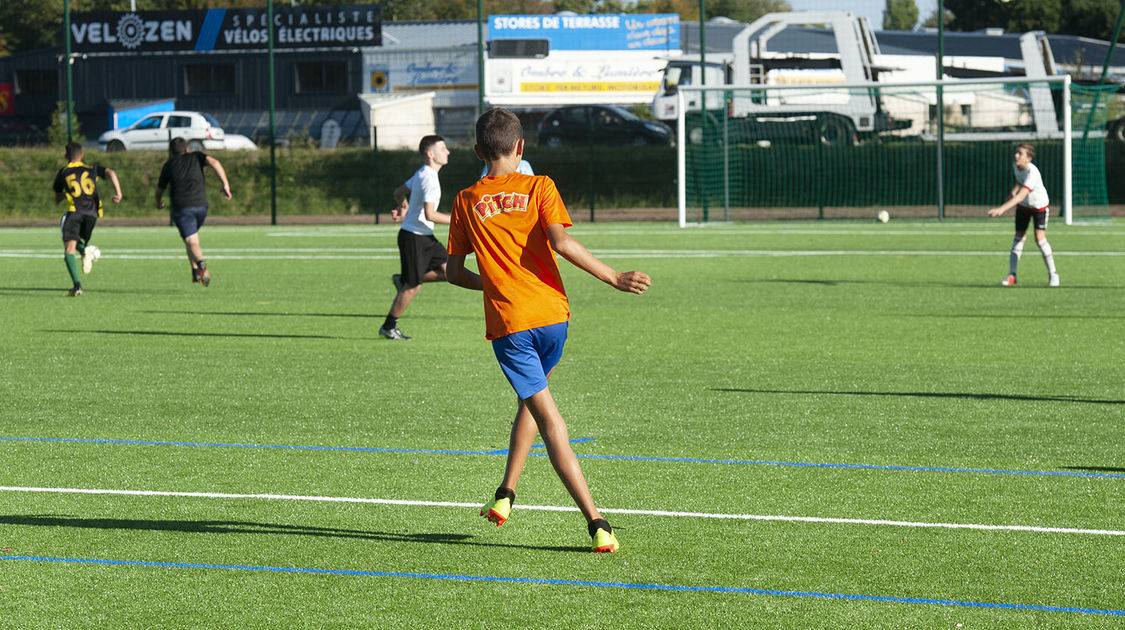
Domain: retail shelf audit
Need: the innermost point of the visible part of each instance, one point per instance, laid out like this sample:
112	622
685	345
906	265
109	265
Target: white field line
585	230
555	508
950	229
384	254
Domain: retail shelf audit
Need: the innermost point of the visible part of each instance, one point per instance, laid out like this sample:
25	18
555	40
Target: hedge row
343	181
360	181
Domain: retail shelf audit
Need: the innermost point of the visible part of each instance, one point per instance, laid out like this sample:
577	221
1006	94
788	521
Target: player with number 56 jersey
77	182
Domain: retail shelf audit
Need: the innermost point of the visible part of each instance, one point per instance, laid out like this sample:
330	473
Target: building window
37	82
322	77
209	78
519	48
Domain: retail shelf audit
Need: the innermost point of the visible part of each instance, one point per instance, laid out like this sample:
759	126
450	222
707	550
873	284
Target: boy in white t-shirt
422	257
1031	202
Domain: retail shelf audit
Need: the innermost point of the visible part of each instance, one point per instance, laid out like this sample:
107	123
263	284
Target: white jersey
524	167
1031	180
424	187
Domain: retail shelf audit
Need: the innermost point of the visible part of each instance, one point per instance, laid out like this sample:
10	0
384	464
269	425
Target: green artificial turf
840	374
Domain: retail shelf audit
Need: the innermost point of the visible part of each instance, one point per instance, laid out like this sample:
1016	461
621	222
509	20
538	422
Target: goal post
847	151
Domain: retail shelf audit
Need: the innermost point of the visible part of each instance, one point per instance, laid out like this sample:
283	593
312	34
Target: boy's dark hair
177	146
428	142
1030	150
498	130
73	151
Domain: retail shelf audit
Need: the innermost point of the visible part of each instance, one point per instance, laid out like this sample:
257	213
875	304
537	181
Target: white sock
1048	256
1017	251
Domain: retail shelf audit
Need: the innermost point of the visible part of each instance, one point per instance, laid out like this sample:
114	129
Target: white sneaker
393	333
91	254
1053	280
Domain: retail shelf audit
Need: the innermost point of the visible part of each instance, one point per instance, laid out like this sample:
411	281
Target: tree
57	129
413	10
1091	18
900	15
738	10
1015	16
31	24
932	21
745	10
590	6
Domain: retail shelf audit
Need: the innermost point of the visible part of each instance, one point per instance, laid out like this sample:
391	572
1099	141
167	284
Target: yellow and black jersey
80	183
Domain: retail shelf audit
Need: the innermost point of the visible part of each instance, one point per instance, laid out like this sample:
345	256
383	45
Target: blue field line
639	458
596	584
748	462
296	447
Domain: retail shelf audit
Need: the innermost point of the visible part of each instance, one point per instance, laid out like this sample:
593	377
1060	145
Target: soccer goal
849	151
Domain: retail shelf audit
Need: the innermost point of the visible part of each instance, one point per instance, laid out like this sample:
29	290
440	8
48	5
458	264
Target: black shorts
1025	215
78	227
417	254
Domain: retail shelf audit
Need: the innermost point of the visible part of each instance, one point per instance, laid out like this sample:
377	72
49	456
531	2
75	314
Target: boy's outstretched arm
456	273
576	253
1019	193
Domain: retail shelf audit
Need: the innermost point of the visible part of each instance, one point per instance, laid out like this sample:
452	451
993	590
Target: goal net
848	151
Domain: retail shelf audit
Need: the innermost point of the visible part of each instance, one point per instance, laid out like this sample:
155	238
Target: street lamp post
480	57
69	75
940	110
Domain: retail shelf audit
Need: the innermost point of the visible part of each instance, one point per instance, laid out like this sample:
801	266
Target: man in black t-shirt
78	184
184	173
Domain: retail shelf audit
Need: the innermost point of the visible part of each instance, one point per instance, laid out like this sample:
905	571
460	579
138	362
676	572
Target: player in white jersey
422	257
1029	197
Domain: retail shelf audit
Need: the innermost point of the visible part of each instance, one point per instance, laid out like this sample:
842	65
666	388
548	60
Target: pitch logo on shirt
492	205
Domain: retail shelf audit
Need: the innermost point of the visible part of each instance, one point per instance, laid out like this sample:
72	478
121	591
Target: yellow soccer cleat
603	540
497	510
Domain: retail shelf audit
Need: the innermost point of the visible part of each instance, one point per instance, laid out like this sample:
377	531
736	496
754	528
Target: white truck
832	117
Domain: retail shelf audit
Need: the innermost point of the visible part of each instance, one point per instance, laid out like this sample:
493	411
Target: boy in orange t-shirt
515	224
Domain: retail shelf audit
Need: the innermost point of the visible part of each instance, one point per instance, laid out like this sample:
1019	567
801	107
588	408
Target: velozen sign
325	26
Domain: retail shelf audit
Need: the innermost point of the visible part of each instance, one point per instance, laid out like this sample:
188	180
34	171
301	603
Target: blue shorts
528	356
188	220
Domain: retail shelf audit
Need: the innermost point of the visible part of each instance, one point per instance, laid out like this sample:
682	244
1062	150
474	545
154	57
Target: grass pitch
800	425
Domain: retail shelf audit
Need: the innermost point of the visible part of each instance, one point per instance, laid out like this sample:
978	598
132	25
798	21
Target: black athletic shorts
78	227
1025	215
417	254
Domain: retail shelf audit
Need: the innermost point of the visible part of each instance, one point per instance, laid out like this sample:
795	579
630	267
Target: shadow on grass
264	314
1007	316
169	333
964	395
61	290
241	527
1105	469
833	283
269	314
927	284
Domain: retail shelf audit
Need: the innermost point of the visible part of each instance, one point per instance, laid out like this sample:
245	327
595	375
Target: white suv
155	130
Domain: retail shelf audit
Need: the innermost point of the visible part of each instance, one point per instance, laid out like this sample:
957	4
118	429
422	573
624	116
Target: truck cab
832	116
685	70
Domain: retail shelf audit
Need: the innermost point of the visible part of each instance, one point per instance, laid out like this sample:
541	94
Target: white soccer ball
93	252
883	216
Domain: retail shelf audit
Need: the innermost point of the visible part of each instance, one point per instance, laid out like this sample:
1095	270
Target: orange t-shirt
504	221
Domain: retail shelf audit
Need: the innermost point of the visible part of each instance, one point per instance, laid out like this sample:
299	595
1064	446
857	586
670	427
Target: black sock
390	322
504	492
598	523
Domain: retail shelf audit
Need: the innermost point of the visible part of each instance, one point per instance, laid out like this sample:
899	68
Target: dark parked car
600	124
